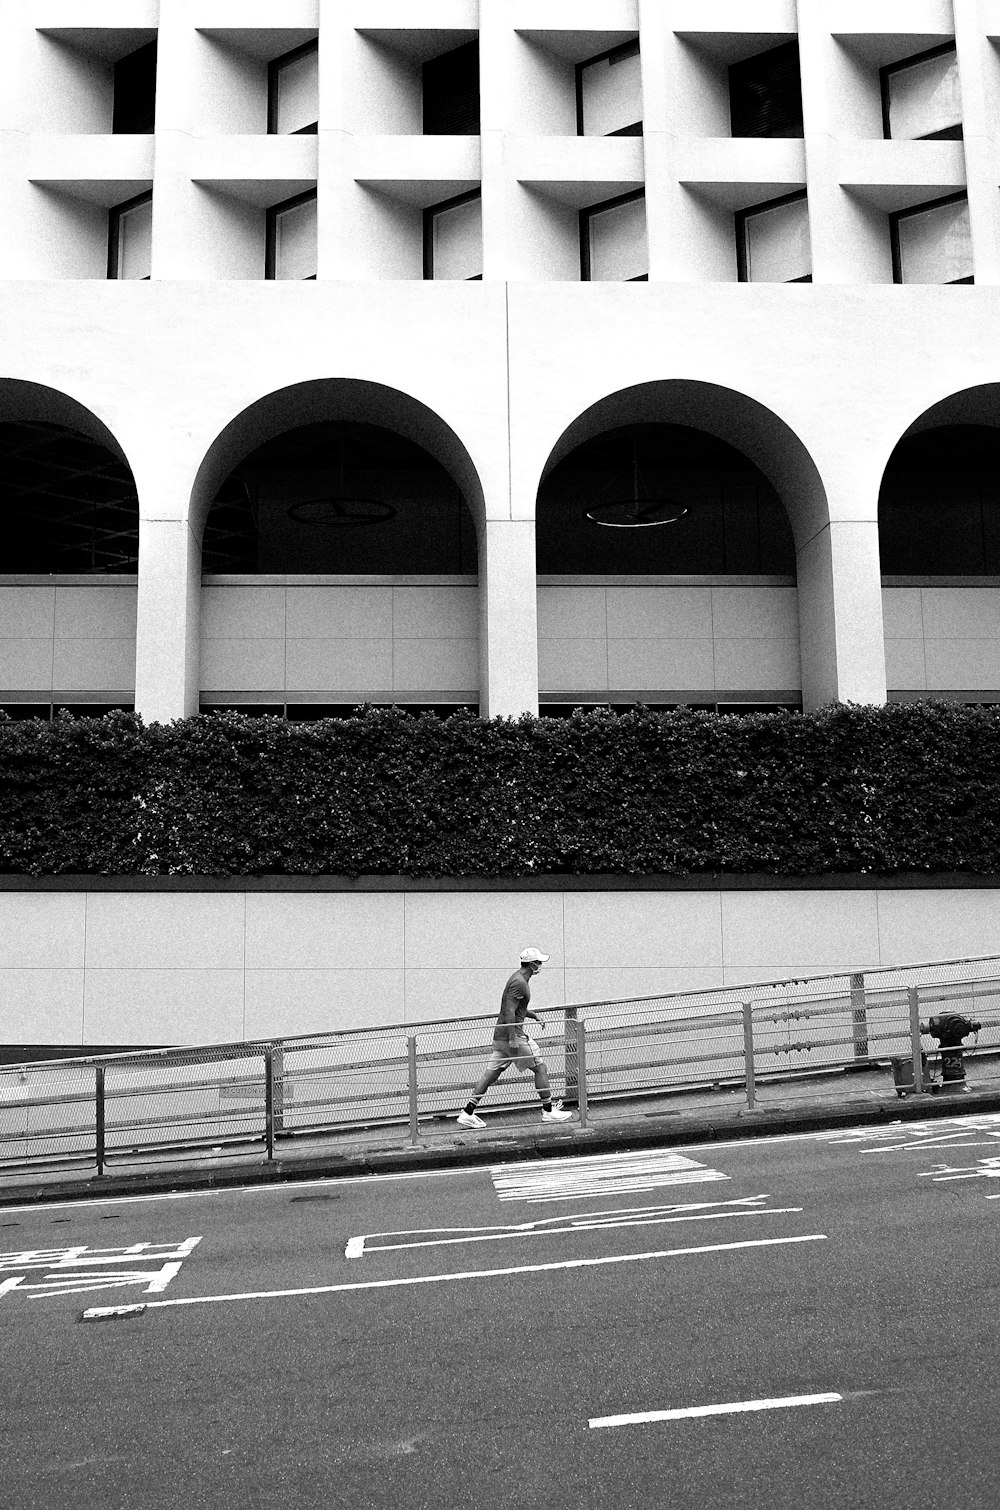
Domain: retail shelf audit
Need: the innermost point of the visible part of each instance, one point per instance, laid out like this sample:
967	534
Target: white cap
532	956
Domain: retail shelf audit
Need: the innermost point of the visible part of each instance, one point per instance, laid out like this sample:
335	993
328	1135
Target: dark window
932	242
772	241
453	238
135	92
130	237
451	92
765	94
609	93
291	238
939	504
293	92
922	97
613	246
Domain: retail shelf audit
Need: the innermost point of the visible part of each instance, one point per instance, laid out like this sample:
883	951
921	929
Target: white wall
198	967
942	639
345	639
649	637
68	635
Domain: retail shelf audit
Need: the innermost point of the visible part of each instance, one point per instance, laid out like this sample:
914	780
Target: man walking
511	1045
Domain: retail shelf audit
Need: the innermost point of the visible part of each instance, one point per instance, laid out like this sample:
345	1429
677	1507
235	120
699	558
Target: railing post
748	1053
859	1015
570	1051
580	1066
411	1062
269	1101
278	1088
99	1124
913	996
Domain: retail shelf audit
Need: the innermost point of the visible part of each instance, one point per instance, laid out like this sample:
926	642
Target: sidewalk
822	1101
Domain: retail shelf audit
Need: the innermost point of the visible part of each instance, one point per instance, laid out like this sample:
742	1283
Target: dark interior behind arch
939	504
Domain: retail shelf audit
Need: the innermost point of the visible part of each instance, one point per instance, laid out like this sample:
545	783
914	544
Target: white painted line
430	1279
644	1417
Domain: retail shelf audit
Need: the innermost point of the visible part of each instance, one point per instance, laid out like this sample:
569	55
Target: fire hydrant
949	1028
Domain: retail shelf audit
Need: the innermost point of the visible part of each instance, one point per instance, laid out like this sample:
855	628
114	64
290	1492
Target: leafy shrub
907	787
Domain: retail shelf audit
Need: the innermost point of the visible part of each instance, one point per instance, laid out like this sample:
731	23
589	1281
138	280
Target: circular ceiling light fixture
641	511
341	512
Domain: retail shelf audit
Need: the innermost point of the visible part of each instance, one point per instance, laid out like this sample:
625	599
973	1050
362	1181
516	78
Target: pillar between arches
167	648
508	619
840	615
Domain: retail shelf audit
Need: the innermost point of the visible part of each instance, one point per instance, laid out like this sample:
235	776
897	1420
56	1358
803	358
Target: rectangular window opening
453	239
450	86
134	107
772	241
609	93
613	240
922	97
293	92
932	243
765	94
291	239
130	238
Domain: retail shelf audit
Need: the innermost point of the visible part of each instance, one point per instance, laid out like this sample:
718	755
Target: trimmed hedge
907	787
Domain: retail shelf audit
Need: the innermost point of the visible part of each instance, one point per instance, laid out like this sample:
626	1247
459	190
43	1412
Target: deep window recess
932	243
293	92
453	238
772	241
291	238
451	92
135	92
765	94
609	93
130	237
613	240
922	97
939	504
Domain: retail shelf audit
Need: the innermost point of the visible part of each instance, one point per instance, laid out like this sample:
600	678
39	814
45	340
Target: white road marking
643	1417
603	1174
430	1279
78	1270
590	1221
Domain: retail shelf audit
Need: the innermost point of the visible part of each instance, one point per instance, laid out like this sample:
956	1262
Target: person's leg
553	1113
494	1069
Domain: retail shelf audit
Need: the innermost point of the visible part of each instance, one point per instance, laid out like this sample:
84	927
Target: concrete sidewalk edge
514	1145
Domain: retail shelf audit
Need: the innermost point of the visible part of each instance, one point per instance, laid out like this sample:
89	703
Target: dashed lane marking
97	1313
643	1418
590	1221
601	1174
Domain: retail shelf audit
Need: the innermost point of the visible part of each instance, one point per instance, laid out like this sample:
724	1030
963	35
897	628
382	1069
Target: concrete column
167	649
496	44
657	43
840	615
979	69
508	620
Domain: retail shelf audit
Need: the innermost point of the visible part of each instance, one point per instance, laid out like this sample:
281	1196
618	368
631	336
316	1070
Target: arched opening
340	556
666	553
69	557
939	545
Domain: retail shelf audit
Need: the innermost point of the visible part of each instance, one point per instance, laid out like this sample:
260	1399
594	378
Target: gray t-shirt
513	1006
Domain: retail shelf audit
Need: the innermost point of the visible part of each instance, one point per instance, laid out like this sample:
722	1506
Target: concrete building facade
436	290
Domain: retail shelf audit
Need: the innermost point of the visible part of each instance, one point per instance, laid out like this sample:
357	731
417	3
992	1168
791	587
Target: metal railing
117	1107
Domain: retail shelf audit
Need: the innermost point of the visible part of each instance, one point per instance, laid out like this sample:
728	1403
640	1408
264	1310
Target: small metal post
748	1053
269	1101
859	1015
570	1041
278	1087
99	1125
913	996
581	1071
411	1060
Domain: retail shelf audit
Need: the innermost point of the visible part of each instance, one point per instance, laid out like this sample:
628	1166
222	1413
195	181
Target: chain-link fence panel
183	1098
341	1080
47	1111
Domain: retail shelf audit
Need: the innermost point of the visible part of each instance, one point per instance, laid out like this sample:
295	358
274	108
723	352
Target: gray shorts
522	1055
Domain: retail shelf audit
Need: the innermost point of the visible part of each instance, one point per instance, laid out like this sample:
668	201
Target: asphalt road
471	1338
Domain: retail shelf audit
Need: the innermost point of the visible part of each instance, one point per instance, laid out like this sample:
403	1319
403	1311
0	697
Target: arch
939	490
67	482
730	416
345	400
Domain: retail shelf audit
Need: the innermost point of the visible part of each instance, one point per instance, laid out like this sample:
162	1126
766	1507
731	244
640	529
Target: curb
691	1127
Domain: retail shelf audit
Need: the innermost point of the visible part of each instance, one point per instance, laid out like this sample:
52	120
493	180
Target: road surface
798	1323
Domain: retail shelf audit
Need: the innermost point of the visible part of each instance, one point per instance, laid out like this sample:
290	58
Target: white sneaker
556	1114
469	1119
